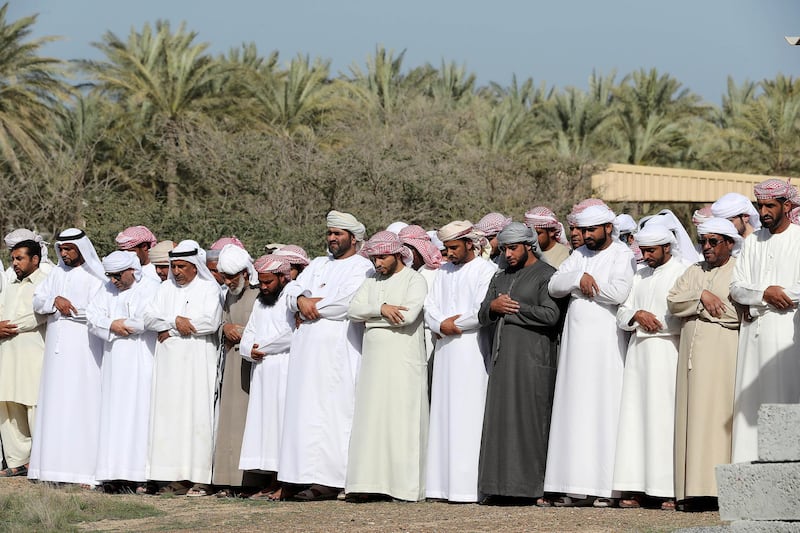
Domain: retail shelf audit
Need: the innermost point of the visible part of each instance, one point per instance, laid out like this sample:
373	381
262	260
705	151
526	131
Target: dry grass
25	506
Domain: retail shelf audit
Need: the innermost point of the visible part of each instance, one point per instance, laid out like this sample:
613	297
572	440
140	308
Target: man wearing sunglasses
766	278
706	365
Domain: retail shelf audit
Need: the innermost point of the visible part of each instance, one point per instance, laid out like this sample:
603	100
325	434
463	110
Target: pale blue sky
700	42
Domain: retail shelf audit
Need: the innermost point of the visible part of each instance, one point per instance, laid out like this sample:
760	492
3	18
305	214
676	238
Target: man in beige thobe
706	365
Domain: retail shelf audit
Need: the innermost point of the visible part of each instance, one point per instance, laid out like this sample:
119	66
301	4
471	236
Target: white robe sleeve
615	289
433	313
334	307
469	321
44	295
272	336
566	280
97	316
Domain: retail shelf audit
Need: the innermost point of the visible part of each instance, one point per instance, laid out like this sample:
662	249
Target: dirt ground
214	514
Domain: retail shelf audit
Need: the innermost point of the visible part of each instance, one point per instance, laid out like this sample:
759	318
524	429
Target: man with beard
643	464
766	278
186	313
522	372
597	277
460	369
236	268
68	414
22	334
265	344
116	316
159	257
575	235
706	365
390	423
550	235
323	365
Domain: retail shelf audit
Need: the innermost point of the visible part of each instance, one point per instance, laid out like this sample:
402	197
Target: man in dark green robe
526	321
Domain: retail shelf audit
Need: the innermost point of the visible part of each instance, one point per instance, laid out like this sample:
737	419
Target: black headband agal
177	255
79	235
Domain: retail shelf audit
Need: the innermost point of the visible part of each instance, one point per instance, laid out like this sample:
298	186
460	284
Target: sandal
544	502
605	503
199	490
176	488
630	503
14	472
567	501
317	493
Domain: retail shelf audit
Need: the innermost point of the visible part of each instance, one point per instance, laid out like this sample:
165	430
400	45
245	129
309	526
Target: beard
268	299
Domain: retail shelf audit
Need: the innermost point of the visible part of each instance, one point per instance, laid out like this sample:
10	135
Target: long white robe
390	425
68	415
460	378
127	370
768	365
270	327
645	438
583	428
323	368
181	437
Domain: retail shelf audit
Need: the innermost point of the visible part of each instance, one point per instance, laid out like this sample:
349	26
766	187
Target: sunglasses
117	276
713	242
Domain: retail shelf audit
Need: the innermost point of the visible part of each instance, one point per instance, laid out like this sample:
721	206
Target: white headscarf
722	226
122	260
395	227
191	252
594	215
625	223
22	234
735	204
684	247
233	259
655	235
346	221
86	248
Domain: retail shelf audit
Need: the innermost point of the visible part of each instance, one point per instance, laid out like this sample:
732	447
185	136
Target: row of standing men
138	384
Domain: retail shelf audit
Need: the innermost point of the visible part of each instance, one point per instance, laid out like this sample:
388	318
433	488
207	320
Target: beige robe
555	255
234	396
706	377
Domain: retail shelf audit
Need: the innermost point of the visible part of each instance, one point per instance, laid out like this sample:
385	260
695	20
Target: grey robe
234	394
522	378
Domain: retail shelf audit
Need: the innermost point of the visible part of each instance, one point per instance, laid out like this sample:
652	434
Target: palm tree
163	82
576	118
505	118
652	113
31	89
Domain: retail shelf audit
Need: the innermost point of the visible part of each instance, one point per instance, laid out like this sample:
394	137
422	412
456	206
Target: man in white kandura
460	368
766	278
265	343
116	315
644	457
68	415
583	431
186	313
323	365
388	443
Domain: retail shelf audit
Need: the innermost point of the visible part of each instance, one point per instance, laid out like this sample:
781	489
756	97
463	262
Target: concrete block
779	432
751	526
759	491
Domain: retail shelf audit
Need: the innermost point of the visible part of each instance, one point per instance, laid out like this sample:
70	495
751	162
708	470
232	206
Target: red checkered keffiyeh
543	217
219	244
416	237
295	254
702	215
492	224
772	189
387	243
134	236
270	264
